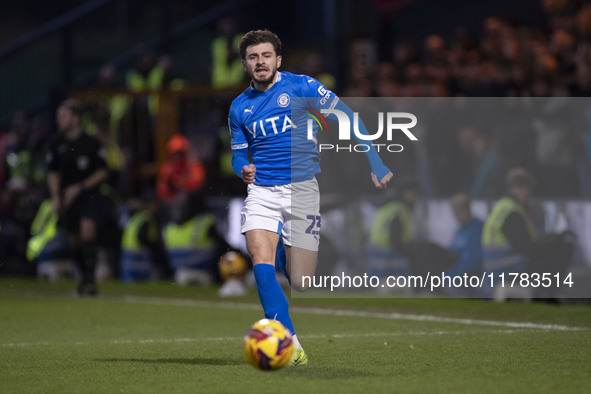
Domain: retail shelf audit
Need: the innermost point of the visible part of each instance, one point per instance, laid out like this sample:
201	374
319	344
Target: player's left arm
380	174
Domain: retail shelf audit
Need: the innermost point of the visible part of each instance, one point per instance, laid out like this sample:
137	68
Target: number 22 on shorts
314	227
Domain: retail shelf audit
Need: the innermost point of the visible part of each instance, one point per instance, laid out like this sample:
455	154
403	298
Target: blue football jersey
273	126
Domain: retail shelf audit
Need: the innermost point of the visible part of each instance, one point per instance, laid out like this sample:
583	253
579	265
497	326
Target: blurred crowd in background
505	58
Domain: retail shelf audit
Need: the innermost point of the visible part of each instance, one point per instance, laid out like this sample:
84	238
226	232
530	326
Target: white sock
295	341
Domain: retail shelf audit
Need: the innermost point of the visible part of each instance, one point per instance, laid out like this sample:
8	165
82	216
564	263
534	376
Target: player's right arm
239	144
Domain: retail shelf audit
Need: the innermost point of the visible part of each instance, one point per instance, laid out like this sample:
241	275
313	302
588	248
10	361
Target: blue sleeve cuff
239	160
379	169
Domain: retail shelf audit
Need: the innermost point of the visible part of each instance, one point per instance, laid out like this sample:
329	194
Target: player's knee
299	285
261	258
299	288
261	255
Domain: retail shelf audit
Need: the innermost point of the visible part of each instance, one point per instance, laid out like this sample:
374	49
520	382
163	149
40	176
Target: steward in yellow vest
509	236
392	233
43	229
226	67
192	242
227	71
191	248
150	75
136	258
49	246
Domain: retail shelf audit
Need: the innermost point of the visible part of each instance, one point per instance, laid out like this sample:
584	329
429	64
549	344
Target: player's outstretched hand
248	173
382	183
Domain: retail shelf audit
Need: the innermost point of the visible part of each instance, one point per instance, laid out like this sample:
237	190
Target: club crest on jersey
283	100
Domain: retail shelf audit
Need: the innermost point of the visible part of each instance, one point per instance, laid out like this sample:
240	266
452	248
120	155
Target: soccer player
76	167
261	124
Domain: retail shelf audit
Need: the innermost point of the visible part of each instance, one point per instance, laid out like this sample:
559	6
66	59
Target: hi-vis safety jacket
498	254
136	261
225	74
383	259
43	229
189	244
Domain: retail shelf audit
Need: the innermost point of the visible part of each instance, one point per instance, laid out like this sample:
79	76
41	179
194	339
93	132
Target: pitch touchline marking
353	313
440	319
231	339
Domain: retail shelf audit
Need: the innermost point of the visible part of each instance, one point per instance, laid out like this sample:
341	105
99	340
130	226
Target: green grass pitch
160	338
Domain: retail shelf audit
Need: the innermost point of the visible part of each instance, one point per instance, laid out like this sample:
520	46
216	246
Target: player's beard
266	81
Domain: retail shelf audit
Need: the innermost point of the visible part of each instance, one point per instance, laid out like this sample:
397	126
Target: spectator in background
18	156
143	255
97	123
227	71
435	52
582	22
149	75
193	243
76	168
39	147
403	55
179	173
582	80
481	162
509	234
118	104
396	243
466	241
146	73
557	148
49	247
392	232
171	78
511	244
385	80
145	78
560	13
562	47
19	192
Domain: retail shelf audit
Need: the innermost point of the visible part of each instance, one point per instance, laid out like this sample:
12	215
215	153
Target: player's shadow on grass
189	361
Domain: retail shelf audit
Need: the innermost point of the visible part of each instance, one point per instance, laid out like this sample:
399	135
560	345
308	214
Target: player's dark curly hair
255	37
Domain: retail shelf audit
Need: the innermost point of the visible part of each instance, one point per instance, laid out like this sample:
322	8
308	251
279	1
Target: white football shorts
291	210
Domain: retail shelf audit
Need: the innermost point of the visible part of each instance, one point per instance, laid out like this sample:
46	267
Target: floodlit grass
161	338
